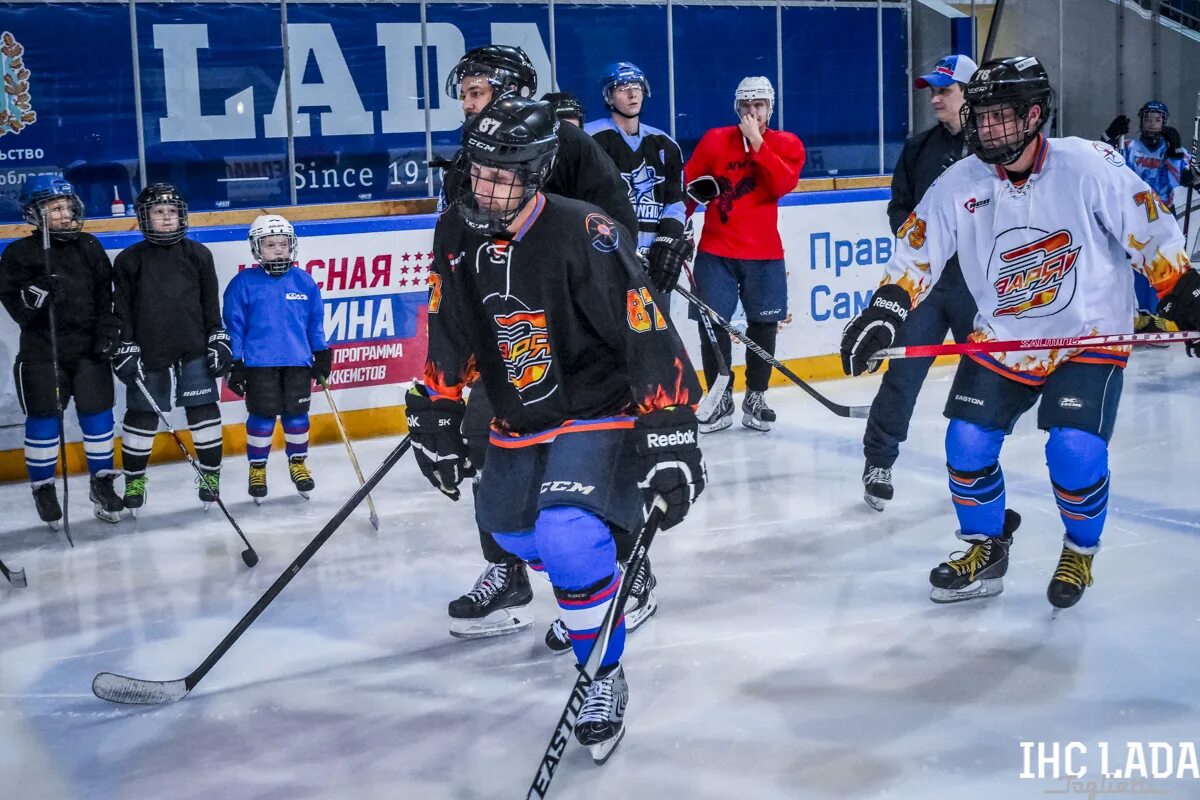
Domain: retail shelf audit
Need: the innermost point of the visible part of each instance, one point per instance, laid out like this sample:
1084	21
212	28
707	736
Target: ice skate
877	486
722	415
641	606
601	723
258	481
303	479
208	486
106	505
1073	575
979	572
490	608
45	498
135	494
756	414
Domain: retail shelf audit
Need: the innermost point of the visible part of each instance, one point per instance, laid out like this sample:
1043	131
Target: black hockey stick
62	433
716	388
249	556
120	689
14	576
587	673
852	412
1195	168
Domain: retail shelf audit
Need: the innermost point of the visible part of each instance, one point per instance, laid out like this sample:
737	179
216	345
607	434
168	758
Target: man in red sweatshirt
740	172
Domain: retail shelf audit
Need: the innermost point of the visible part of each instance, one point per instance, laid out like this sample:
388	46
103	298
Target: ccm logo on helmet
670	439
482	145
891	305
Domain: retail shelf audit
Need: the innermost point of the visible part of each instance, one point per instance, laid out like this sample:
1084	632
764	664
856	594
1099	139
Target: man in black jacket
948	307
76	285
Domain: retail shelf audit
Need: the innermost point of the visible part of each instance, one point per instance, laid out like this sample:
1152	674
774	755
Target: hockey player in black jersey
545	300
79	287
169	303
651	163
581	171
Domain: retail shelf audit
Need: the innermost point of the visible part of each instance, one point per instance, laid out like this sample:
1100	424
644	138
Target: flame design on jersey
1032	274
439	383
1163	273
667	396
524	341
915	286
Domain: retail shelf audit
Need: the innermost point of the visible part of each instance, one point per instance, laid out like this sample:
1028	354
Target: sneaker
756	414
487	610
135	493
722	416
303	479
877	485
208	486
601	722
258	480
106	505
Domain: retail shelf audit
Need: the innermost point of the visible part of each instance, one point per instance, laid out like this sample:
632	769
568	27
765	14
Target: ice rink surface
795	653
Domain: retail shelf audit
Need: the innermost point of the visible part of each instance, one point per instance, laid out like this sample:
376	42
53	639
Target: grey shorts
193	387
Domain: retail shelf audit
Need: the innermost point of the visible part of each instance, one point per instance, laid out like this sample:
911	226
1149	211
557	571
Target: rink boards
372	274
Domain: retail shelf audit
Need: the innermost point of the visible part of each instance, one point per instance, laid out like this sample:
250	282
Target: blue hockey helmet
1156	106
620	74
38	190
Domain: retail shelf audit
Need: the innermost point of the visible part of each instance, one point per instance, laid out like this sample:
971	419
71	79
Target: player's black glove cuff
236	381
874	329
435	426
107	336
219	353
1174	142
1116	129
127	363
39	293
322	364
668	444
1182	303
669	252
704	189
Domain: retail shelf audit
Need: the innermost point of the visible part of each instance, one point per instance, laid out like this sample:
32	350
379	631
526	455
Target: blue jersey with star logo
652	165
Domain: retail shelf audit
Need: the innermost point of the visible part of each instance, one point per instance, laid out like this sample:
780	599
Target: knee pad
575	545
522	544
971	447
1076	458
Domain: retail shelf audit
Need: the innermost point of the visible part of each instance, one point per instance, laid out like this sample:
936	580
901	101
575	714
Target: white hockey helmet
756	87
273	225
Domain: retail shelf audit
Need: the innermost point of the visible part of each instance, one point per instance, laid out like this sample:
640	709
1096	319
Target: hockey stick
337	417
852	412
1019	345
249	556
62	434
587	673
1194	166
14	576
121	689
716	388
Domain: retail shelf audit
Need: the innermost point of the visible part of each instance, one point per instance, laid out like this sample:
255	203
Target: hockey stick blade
850	412
135	691
14	576
708	404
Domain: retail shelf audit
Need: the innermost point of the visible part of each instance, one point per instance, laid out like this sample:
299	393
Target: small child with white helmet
276	324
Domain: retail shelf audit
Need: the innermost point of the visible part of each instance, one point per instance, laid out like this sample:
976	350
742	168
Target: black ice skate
45	498
303	479
488	609
601	723
640	607
722	416
756	415
1073	575
978	572
257	486
106	504
135	494
877	486
208	486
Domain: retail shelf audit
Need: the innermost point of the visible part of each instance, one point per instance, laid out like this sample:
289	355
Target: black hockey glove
1174	142
667	442
1182	304
127	363
322	364
704	189
219	354
107	337
236	380
668	254
1116	129
438	444
38	292
874	329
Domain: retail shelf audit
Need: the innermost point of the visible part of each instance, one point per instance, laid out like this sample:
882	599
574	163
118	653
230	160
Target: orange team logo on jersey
524	342
1032	275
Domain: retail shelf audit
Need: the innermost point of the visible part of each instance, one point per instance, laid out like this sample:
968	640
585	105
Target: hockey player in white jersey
1044	230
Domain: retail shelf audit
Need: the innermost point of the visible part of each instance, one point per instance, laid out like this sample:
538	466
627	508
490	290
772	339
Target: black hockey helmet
1015	85
160	194
506	68
565	105
509	149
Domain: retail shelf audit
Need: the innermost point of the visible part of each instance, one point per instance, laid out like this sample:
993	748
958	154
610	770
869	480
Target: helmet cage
34	203
1006	140
159	194
264	229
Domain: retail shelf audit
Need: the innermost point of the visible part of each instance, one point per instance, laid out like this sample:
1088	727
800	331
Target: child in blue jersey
276	323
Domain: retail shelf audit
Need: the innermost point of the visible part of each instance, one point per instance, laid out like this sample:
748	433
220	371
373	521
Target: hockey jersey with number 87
1047	259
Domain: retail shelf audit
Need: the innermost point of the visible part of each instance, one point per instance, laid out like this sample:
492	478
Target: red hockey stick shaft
1016	345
